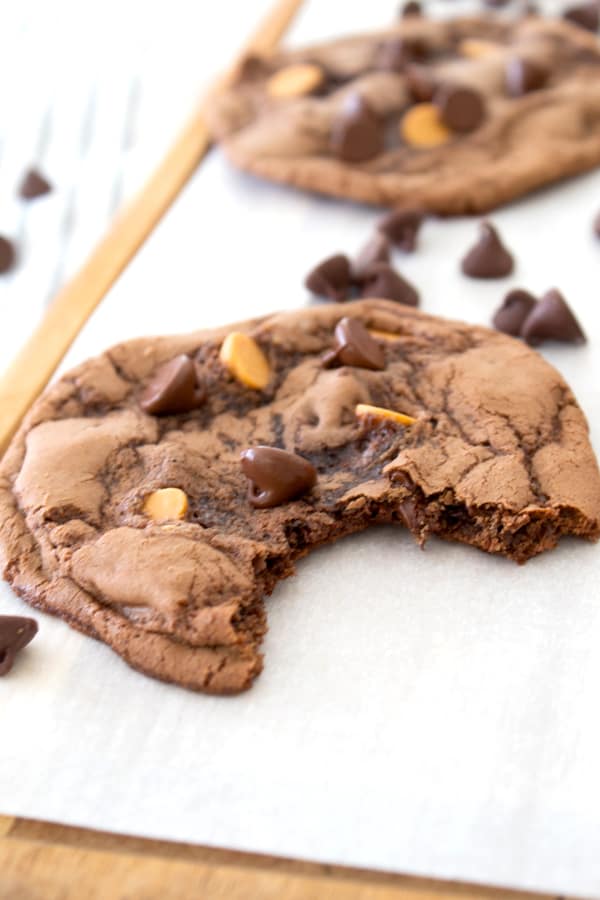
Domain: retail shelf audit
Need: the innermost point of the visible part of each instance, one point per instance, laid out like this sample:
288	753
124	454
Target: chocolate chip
552	319
410	9
420	84
461	108
523	76
402	227
276	476
175	388
358	132
34	185
331	278
496	4
514	310
395	55
377	250
380	280
15	633
252	68
488	258
585	15
8	255
354	346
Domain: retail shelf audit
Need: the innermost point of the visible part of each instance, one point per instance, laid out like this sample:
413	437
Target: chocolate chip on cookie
523	76
358	132
276	476
461	108
552	319
175	388
354	346
585	15
331	278
15	633
376	250
402	227
8	255
380	280
515	308
488	258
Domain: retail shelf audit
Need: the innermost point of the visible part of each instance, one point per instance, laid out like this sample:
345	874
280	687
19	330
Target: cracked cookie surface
527	140
499	458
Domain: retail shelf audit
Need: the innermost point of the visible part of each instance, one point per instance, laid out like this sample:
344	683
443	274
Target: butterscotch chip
364	410
165	504
383	335
473	48
295	81
421	126
244	359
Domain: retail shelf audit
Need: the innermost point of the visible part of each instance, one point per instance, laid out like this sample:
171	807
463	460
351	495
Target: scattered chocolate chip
552	319
461	108
410	8
354	346
420	84
8	255
488	258
523	76
377	250
175	388
34	185
586	15
380	280
401	227
395	55
514	310
331	278
358	132
15	633
276	476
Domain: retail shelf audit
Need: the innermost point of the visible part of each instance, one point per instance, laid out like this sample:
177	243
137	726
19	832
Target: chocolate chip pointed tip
402	226
15	633
357	133
34	185
488	258
383	282
331	278
354	346
516	306
276	476
552	319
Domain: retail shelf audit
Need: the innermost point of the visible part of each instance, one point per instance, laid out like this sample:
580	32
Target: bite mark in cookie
139	529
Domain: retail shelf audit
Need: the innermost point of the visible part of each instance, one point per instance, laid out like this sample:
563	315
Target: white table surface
432	712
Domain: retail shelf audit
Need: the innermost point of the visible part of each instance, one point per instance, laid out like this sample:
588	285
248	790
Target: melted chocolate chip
585	15
395	55
276	476
8	255
175	388
402	227
331	278
358	132
15	633
461	108
34	185
515	308
377	250
523	76
552	319
381	281
488	258
354	346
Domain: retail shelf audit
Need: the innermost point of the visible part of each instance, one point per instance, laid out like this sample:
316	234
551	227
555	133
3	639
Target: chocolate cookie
160	532
451	116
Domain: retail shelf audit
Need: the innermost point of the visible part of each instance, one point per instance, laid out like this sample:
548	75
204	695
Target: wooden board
53	862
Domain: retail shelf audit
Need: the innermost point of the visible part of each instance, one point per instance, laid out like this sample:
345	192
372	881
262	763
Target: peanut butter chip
365	410
383	335
421	126
242	356
166	503
473	48
295	81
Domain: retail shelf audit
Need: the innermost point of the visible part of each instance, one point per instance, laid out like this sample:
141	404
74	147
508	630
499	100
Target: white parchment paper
429	712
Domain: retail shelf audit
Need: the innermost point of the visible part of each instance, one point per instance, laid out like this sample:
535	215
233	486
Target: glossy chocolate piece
401	227
174	388
517	305
358	133
15	633
276	476
552	319
382	281
461	108
488	258
331	278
